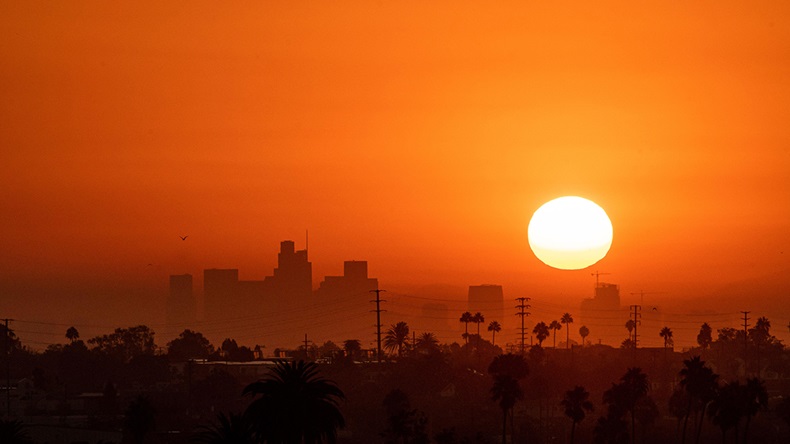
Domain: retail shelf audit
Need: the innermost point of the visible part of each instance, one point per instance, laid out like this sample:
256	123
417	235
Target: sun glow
570	233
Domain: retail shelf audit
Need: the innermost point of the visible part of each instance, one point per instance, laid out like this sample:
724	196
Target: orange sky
419	136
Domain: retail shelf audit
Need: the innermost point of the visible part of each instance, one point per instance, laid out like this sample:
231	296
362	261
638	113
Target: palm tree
760	333
352	347
567	319
427	343
72	334
635	387
507	391
510	364
229	429
140	419
295	405
13	431
576	401
495	328
666	333
726	408
699	381
584	332
705	336
755	399
629	325
554	326
478	319
466	318
507	369
541	331
397	337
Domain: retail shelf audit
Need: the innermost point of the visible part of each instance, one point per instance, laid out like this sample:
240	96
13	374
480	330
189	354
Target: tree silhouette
510	364
13	431
554	326
705	336
478	319
140	419
576	401
427	343
611	429
646	413
755	398
352	347
629	325
189	345
726	408
404	423
294	405
759	334
584	332
567	320
466	318
507	391
125	343
541	331
634	387
229	429
700	383
397	338
495	328
72	334
506	370
666	333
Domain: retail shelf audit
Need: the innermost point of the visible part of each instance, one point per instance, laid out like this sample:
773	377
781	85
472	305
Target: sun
570	233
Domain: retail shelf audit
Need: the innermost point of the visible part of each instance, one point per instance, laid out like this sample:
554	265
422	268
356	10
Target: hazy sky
419	136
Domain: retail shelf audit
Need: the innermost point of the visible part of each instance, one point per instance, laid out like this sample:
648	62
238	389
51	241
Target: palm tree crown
466	318
584	332
478	319
427	343
495	328
541	331
554	326
576	401
295	405
666	333
567	320
397	337
230	429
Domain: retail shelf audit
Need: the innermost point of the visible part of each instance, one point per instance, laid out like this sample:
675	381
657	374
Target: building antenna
306	241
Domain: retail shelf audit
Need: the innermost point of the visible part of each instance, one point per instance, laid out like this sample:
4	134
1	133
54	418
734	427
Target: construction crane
596	274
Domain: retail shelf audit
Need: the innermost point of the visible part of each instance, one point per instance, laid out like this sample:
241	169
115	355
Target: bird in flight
184	237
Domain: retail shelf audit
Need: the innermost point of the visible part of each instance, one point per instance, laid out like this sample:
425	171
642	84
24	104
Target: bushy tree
189	345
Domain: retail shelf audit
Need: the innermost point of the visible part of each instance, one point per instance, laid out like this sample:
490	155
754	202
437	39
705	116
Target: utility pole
306	347
523	313
7	368
637	320
745	338
378	311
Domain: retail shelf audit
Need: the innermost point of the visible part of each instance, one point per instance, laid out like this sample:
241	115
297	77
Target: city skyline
434	309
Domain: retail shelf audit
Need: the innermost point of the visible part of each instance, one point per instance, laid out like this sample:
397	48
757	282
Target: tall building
294	273
180	312
274	309
603	315
347	298
219	292
488	300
